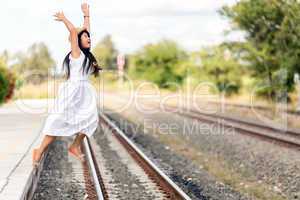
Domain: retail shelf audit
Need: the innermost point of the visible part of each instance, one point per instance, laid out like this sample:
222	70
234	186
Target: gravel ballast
198	184
122	176
58	180
264	170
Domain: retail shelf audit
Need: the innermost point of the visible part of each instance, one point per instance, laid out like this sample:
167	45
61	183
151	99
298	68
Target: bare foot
36	157
76	151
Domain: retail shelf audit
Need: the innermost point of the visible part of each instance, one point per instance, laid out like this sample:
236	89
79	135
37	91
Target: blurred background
180	36
242	52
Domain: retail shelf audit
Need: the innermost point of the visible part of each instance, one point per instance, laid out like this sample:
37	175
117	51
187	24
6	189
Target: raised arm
86	14
75	50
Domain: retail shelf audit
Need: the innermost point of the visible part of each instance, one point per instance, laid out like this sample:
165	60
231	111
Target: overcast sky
132	23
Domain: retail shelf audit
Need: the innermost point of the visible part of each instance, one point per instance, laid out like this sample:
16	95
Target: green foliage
33	66
272	47
163	63
106	53
4	82
5	56
222	69
3	88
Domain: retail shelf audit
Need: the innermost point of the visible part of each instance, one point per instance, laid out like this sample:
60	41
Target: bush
3	88
160	63
8	82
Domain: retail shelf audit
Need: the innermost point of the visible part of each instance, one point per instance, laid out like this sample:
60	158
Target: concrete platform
21	122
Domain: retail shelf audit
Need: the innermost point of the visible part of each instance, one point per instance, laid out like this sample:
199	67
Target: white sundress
75	107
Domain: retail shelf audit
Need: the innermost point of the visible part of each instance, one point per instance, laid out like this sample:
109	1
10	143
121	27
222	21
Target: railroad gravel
58	180
258	161
197	183
122	176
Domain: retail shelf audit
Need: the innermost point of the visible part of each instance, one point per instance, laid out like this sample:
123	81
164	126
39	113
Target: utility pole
297	83
120	63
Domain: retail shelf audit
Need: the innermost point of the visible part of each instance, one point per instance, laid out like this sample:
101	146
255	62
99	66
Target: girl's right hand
59	16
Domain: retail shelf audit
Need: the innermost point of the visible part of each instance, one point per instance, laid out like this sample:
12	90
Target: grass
30	91
109	82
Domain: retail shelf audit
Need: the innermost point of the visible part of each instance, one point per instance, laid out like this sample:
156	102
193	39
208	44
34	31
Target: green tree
5	56
106	53
222	68
34	64
4	82
161	63
272	48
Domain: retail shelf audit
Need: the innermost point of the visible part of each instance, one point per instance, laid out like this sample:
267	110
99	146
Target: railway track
256	107
95	189
84	174
96	182
168	188
166	185
284	137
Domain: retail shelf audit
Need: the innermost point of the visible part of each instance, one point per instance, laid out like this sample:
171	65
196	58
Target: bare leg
75	146
38	152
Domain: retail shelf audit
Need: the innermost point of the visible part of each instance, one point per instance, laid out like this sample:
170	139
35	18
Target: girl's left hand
85	8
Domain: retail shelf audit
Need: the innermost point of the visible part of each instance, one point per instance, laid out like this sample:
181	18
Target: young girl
75	108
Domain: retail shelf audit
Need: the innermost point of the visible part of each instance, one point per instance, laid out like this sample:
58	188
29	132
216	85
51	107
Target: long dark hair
88	55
